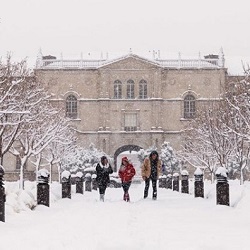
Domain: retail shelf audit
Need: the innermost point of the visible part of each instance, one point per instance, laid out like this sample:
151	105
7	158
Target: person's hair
104	158
154	153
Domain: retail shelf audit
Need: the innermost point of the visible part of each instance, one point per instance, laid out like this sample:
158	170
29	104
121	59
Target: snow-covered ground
175	221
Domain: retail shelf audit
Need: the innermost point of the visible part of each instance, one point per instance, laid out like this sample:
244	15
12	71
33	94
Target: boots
126	197
154	195
101	197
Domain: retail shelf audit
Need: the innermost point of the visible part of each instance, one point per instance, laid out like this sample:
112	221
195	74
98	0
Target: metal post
94	182
66	184
162	181
184	182
198	183
79	183
169	181
2	195
88	182
222	187
43	187
176	185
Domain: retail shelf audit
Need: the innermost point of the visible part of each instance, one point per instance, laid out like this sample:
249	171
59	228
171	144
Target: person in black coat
103	170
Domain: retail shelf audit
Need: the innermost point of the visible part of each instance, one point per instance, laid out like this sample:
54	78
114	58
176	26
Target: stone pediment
130	62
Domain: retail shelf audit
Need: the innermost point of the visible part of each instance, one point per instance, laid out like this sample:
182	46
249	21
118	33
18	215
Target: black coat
102	174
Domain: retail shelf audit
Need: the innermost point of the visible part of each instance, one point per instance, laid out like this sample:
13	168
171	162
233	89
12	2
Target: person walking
103	170
126	173
151	170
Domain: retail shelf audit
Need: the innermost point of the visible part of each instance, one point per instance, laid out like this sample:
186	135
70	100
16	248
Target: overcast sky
92	27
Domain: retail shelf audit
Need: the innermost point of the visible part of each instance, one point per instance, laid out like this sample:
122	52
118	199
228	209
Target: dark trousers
102	188
125	186
154	184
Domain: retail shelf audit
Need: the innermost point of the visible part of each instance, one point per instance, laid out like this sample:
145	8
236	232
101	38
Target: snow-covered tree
13	75
60	147
43	125
143	153
238	100
169	159
82	158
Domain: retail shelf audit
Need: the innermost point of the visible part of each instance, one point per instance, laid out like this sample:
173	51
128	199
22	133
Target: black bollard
222	187
169	181
79	183
43	187
66	184
184	182
176	185
198	183
88	182
2	195
94	182
161	181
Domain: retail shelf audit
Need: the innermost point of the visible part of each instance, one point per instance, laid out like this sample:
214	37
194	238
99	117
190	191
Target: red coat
126	173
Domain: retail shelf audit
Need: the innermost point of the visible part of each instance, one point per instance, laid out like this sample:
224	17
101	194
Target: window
130	89
71	107
130	121
189	107
143	92
117	89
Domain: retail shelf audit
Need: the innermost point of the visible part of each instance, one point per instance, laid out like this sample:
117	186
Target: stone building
131	102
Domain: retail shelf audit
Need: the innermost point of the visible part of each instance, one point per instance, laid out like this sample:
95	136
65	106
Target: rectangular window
130	121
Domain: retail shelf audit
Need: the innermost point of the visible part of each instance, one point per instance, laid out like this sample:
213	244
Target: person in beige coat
151	170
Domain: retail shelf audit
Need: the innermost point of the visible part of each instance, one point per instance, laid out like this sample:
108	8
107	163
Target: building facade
131	102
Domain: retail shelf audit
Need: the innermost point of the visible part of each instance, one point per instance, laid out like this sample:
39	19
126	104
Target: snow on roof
97	63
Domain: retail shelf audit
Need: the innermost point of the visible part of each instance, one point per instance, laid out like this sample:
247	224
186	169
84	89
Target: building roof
179	63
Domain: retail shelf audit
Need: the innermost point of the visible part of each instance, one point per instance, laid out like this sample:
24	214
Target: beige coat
146	168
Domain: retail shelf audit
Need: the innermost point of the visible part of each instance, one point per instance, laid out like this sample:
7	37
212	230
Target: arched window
189	107
130	89
117	89
143	91
71	107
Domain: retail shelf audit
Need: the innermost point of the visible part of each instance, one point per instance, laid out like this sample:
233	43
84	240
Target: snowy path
175	221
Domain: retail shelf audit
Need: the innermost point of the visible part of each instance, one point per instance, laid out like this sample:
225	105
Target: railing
55	64
189	63
169	63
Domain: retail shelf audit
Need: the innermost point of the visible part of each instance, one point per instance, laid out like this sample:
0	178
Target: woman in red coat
126	173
